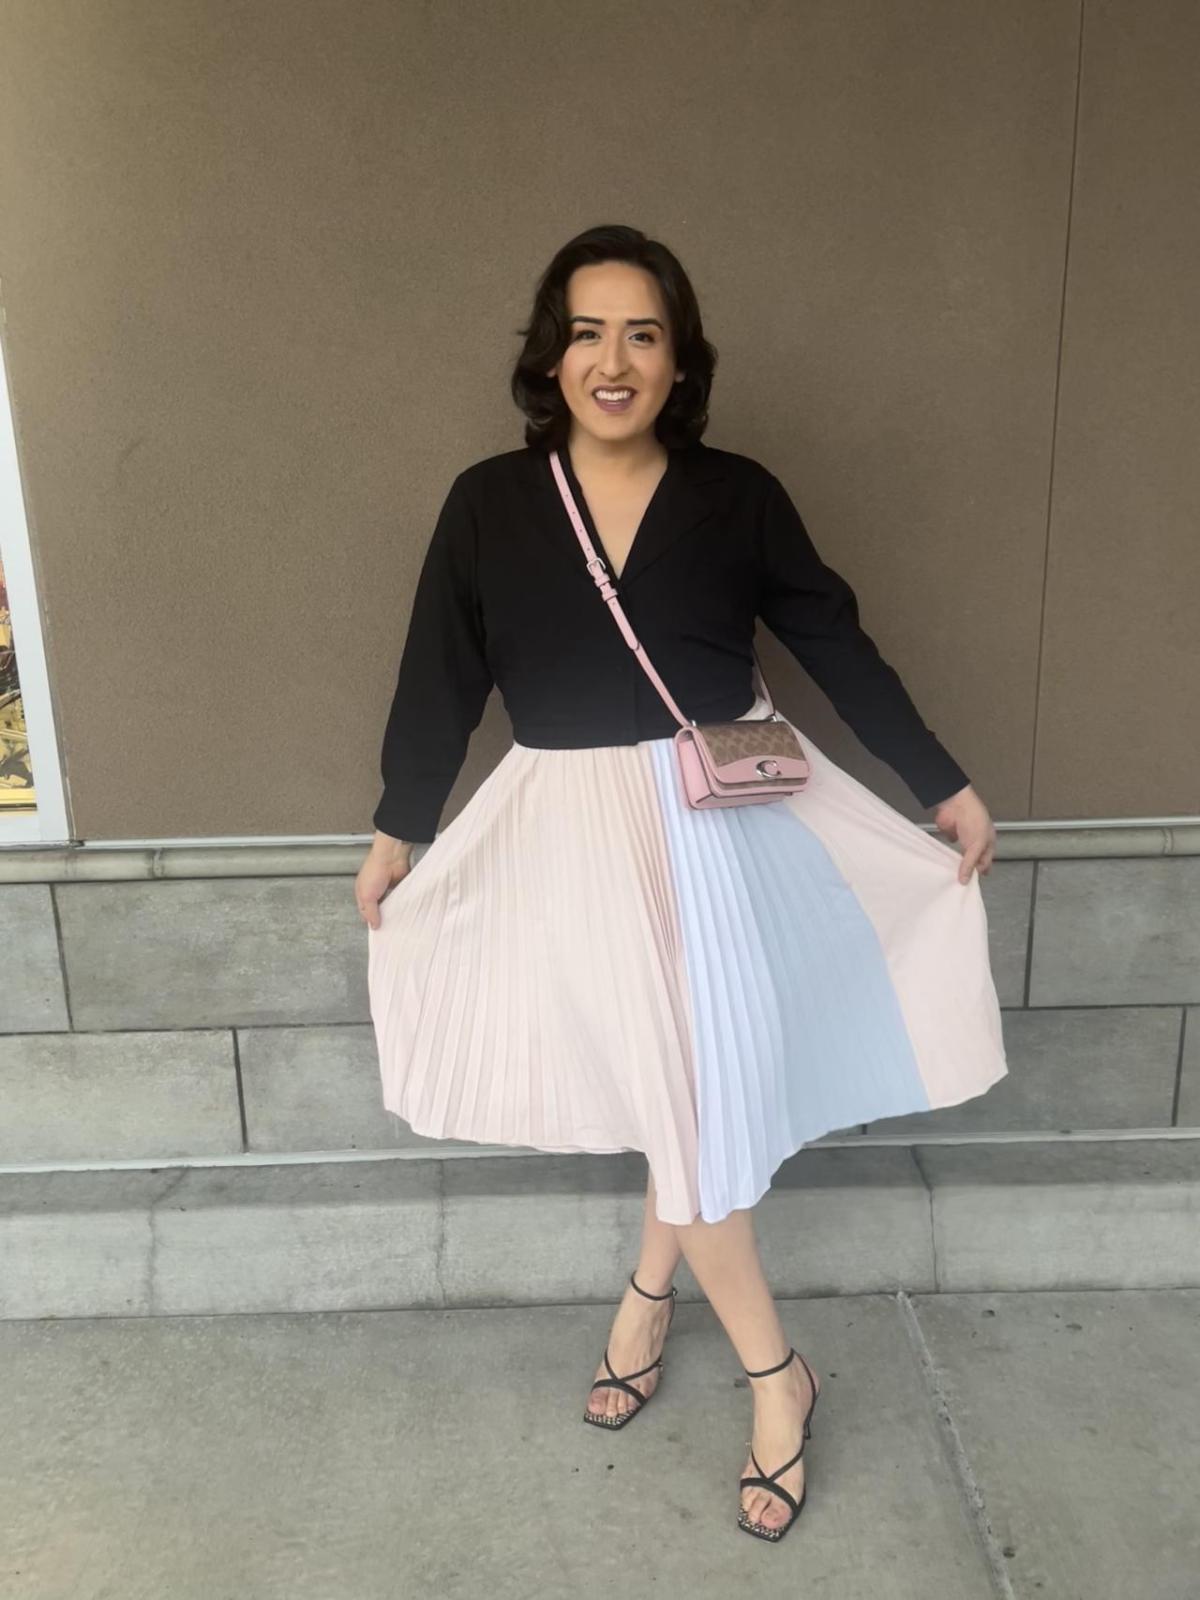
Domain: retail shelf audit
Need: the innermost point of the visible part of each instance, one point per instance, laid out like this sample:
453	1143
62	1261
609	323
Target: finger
970	857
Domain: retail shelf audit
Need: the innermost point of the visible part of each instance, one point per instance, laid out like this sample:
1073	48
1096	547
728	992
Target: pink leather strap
599	574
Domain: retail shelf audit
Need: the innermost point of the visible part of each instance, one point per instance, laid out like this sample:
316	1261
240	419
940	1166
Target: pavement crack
960	1462
914	1151
152	1222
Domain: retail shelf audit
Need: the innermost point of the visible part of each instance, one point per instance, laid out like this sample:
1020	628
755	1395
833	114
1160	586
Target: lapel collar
680	504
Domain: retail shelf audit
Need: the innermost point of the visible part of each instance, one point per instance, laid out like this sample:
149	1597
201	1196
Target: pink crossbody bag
719	763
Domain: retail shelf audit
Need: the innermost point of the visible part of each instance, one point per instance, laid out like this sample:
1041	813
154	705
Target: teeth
613	394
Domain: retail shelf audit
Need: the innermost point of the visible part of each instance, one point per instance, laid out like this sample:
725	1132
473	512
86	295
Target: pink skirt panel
526	978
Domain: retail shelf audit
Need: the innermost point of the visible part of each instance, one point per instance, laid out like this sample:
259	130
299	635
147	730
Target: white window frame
46	824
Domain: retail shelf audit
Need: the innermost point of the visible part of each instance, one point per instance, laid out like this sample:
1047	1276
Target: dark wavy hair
684	415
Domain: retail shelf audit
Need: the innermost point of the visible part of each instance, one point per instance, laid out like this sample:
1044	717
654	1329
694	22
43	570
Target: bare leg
638	1328
723	1256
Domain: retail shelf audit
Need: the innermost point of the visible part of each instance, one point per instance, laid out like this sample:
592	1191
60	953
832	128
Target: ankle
790	1387
772	1371
653	1282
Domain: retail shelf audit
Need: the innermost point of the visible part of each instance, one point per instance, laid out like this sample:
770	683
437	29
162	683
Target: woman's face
619	340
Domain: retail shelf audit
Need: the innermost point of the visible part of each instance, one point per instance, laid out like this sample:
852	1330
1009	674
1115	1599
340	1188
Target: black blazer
504	599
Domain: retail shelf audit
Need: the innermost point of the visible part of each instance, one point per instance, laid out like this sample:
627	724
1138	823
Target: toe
752	1499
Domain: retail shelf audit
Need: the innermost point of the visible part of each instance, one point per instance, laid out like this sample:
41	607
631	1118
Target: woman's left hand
965	818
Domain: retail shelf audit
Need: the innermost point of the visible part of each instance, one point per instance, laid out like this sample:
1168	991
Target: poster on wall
16	776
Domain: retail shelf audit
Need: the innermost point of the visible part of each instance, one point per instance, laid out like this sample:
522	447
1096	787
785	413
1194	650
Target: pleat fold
581	962
526	981
798	1028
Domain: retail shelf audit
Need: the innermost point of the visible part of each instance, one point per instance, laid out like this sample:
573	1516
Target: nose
612	363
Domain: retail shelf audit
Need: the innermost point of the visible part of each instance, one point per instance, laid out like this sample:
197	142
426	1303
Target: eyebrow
630	322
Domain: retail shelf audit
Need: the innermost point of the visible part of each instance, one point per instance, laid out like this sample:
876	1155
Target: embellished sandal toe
614	1381
766	1480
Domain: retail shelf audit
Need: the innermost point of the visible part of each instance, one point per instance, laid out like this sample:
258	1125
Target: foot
781	1403
635	1340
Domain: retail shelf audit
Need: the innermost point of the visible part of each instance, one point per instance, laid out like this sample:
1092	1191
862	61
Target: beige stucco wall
262	269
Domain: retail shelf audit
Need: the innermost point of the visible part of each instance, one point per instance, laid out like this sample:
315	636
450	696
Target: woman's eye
641	334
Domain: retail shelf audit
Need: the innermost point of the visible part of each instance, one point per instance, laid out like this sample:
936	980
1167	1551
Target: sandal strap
612	1372
669	1294
778	1367
778	1470
619	1383
812	1383
774	1488
613	1381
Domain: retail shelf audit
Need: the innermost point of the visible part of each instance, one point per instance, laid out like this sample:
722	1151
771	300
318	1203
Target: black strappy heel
615	1382
766	1480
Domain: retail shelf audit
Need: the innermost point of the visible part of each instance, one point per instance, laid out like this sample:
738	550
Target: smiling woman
617	363
618	399
585	961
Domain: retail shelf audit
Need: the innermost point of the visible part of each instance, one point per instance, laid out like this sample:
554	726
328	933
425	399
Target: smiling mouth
613	397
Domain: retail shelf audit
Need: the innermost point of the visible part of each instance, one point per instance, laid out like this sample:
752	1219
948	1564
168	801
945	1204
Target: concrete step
537	1229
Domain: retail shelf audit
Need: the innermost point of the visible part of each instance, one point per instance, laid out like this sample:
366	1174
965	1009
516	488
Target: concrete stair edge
541	1229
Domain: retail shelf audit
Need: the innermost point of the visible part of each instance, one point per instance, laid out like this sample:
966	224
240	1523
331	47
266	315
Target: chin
612	427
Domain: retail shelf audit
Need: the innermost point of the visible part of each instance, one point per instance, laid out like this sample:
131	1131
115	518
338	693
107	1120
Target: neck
619	457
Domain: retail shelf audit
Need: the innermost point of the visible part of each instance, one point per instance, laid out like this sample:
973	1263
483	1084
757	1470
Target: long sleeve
814	612
443	682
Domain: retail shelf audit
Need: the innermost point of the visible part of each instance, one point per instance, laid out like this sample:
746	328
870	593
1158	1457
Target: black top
504	598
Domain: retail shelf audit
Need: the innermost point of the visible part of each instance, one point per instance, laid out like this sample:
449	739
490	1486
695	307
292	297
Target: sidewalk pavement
1044	1446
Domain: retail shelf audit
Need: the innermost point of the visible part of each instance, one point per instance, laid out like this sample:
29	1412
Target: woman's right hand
388	861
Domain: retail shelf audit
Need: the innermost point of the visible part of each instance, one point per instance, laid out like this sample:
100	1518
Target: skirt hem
532	1148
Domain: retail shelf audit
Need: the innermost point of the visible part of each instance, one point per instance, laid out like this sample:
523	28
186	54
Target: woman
580	960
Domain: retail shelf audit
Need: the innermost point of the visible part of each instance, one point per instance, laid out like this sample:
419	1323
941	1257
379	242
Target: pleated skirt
581	962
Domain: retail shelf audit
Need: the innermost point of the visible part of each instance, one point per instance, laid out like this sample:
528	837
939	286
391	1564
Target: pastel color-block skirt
581	962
